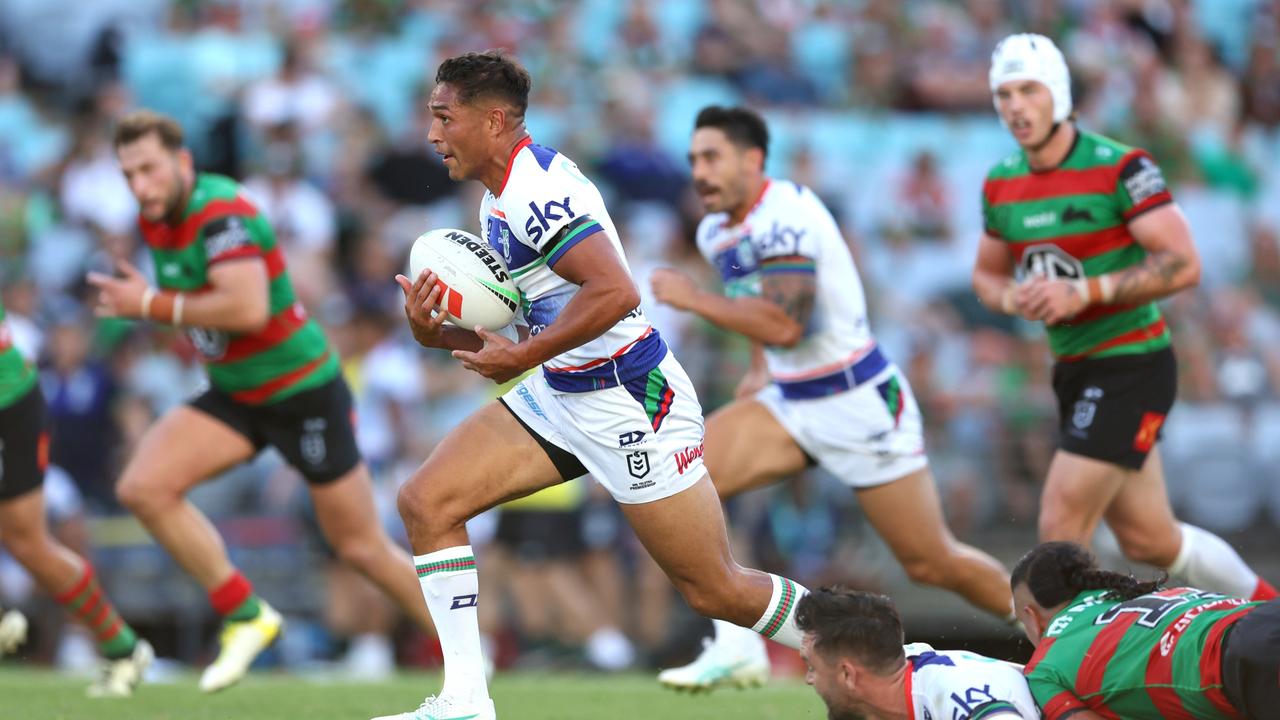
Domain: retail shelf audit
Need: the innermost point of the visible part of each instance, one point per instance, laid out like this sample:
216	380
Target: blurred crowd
880	106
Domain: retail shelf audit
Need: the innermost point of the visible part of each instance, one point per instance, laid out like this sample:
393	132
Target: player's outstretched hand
422	307
674	288
119	296
1053	301
497	360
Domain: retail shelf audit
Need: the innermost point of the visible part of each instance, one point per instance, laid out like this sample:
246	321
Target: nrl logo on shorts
638	464
1086	408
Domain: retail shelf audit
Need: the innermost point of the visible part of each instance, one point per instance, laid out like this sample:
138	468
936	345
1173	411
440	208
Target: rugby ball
478	289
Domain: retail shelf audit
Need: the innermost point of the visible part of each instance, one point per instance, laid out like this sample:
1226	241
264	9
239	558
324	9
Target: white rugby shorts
642	441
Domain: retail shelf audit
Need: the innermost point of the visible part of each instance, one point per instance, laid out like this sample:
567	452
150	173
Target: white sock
451	587
1207	562
779	620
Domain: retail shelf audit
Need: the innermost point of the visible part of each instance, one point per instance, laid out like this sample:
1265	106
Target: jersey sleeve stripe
574	233
992	708
796	264
1158	200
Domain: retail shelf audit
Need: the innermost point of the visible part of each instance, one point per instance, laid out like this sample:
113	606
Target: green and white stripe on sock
779	620
457	564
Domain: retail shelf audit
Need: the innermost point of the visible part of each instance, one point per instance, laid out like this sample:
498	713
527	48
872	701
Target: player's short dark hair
744	127
853	623
141	123
490	74
1056	572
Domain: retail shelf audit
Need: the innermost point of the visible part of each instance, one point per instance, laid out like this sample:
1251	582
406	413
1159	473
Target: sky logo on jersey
538	225
781	240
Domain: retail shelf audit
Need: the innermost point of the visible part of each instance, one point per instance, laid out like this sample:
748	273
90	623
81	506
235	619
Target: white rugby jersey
789	220
543	194
960	685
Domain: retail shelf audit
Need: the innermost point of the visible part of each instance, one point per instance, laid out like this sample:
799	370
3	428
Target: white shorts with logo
866	436
611	431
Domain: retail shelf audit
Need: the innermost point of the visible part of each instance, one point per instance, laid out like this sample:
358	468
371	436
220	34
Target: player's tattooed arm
791	284
1172	263
778	318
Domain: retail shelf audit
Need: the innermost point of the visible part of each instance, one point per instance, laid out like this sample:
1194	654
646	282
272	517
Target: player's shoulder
709	226
218	196
1100	150
1012	165
538	169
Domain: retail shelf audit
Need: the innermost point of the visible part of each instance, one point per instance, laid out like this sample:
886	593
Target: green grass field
40	695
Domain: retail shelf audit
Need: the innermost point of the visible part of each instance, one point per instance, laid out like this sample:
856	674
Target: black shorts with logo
1112	409
1251	662
24	445
313	430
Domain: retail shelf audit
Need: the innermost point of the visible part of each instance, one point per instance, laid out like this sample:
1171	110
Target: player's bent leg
685	534
488	459
746	448
1076	494
908	515
71	581
181	450
349	521
1144	525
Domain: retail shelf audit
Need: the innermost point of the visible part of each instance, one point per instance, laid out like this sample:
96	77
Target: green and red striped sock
779	620
234	599
88	604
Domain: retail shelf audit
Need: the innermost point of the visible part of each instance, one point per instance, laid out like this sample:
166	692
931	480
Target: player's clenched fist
422	307
674	288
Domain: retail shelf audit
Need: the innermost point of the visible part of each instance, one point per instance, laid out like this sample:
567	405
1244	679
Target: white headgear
1033	57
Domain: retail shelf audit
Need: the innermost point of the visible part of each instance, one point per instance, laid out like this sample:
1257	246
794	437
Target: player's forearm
1162	274
760	320
215	309
456	338
588	315
995	291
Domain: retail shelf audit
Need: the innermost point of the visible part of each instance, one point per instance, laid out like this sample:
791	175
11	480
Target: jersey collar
906	689
511	161
755	203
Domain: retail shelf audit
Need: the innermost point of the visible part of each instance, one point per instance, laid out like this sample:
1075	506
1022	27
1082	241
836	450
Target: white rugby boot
241	642
118	678
13	631
736	657
440	707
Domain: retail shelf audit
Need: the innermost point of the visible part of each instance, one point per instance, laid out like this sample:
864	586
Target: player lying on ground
609	399
820	391
1090	229
856	662
274	381
24	532
1108	646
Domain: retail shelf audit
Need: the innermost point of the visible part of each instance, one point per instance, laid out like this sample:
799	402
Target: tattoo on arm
1152	278
795	293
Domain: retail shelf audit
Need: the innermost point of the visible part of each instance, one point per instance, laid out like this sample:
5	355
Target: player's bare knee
1054	524
426	507
25	544
140	497
359	553
1147	548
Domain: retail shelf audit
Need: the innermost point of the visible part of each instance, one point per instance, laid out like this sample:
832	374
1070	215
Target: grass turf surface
36	694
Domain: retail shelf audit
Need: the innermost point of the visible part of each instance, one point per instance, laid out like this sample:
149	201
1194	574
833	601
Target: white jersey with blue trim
544	208
960	685
789	220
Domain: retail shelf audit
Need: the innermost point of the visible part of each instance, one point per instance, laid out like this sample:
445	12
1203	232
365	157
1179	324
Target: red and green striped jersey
1156	656
291	353
16	376
1071	223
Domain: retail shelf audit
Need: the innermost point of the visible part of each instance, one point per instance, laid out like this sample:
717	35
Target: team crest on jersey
211	344
1051	263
